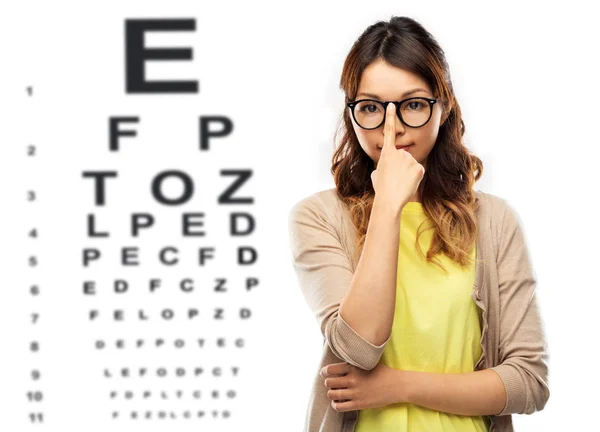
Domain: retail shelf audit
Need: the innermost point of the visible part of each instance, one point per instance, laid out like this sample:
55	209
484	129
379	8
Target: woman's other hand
352	388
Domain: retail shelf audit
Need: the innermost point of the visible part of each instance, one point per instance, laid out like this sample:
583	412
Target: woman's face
383	82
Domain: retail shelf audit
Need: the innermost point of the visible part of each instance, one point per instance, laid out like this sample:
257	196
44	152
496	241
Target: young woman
422	286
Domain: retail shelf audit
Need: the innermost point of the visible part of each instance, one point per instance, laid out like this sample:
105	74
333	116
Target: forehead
388	81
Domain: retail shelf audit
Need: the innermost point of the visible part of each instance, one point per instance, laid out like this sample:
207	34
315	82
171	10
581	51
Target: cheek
369	144
430	139
426	137
366	140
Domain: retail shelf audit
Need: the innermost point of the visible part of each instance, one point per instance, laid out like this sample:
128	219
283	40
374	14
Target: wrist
383	205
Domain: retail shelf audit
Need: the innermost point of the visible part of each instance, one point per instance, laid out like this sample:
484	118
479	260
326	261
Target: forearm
470	393
368	306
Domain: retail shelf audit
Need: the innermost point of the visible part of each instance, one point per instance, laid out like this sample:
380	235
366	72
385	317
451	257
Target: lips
399	147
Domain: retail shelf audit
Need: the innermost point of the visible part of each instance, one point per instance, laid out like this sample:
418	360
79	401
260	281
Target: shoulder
501	211
321	215
321	204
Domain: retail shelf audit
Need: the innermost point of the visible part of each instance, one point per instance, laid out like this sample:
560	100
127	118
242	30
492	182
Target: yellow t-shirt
436	329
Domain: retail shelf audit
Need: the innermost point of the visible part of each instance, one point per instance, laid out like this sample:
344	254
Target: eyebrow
409	92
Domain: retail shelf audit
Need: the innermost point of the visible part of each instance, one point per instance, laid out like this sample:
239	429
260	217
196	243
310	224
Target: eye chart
133	261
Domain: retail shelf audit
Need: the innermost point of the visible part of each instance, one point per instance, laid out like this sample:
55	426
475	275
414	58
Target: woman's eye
414	105
370	108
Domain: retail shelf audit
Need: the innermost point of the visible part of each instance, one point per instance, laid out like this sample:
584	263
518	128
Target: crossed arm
470	393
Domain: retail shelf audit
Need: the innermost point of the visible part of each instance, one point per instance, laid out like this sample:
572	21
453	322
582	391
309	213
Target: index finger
389	131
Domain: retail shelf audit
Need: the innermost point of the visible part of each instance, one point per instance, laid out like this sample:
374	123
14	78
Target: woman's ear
443	118
446	109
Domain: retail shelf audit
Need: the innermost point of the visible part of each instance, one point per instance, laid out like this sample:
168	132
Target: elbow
350	346
526	390
539	397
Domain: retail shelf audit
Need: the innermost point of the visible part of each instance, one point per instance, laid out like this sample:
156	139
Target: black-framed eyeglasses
414	112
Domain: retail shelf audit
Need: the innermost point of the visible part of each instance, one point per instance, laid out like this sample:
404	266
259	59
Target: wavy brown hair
448	197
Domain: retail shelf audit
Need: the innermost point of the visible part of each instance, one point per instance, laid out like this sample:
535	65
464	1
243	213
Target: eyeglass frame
431	101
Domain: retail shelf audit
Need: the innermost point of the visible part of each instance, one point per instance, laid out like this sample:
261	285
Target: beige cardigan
322	240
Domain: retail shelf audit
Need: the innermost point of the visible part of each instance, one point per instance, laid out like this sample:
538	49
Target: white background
274	69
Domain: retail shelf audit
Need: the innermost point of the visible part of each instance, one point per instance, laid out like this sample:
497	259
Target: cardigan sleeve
324	274
523	356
